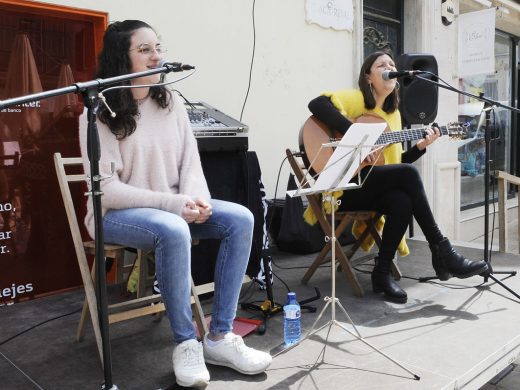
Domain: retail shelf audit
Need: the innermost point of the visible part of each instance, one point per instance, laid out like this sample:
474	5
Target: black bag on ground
296	235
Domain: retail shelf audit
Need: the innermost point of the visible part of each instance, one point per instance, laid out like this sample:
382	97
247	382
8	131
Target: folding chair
343	220
140	306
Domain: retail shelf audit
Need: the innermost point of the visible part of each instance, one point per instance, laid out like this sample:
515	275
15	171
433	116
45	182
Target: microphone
387	75
175	66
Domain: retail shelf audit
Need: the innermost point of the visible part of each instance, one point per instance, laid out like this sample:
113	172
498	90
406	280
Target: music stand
353	148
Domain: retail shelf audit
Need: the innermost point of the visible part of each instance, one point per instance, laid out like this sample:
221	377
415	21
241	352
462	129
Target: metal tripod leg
333	301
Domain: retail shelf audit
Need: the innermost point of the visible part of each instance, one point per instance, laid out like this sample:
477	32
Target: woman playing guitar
394	189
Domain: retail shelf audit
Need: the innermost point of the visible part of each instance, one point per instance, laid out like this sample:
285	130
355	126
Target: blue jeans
170	236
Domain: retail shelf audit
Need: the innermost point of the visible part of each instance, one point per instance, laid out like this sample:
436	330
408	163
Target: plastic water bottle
291	324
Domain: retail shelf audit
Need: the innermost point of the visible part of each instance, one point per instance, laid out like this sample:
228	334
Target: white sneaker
232	352
188	364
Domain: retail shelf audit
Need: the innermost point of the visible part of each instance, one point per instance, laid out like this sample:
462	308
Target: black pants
397	191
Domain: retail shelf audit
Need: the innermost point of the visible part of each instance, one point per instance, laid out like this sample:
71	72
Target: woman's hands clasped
196	211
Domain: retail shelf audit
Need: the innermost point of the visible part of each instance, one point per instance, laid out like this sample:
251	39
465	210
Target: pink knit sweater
158	166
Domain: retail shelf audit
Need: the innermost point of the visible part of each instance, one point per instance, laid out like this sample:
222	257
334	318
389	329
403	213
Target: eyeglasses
148	49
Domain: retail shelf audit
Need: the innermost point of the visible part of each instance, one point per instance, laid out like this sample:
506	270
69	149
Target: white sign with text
477	43
336	14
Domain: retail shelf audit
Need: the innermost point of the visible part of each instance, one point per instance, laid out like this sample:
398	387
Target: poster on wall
477	43
336	14
37	255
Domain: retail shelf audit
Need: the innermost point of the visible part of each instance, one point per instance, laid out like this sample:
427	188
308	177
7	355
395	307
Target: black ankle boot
382	281
447	262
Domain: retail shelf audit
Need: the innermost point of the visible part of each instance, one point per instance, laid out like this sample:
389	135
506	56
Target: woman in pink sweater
158	200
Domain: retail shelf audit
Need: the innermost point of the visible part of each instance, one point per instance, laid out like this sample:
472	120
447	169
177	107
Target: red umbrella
22	79
64	105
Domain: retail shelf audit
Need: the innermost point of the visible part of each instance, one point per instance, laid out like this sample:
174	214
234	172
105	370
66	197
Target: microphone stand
489	105
90	92
269	307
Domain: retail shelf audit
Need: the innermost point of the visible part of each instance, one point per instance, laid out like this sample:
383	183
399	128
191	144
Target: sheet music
361	138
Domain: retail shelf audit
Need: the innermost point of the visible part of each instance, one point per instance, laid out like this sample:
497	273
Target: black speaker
419	98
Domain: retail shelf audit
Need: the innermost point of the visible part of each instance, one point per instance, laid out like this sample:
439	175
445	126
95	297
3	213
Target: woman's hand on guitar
374	157
430	137
371	158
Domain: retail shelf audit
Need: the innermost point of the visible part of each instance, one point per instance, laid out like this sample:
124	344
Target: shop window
42	47
471	152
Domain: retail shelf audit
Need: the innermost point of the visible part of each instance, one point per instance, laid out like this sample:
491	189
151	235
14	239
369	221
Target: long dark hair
392	101
113	60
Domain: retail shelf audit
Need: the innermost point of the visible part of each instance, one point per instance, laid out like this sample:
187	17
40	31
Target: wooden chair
343	220
504	179
142	305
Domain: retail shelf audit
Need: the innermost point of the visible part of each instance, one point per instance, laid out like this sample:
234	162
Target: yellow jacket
350	103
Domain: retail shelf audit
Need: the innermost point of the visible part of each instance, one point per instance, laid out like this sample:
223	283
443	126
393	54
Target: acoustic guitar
314	133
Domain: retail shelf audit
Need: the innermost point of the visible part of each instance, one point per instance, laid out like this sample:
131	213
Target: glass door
471	152
42	47
382	27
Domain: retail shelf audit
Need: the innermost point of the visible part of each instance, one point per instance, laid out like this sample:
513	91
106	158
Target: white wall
425	33
444	173
294	62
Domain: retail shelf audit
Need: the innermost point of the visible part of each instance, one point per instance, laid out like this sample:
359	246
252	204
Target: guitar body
314	133
377	153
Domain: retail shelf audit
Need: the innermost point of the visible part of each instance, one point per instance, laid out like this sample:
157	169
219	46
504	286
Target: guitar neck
392	137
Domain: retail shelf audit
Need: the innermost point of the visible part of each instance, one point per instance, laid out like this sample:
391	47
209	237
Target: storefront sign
477	43
336	14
